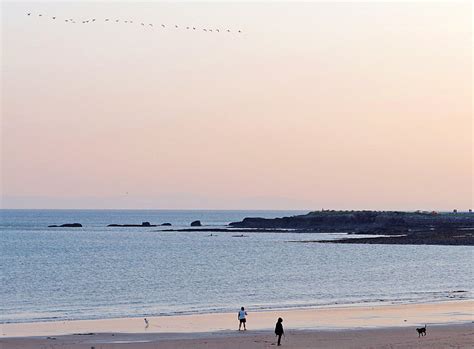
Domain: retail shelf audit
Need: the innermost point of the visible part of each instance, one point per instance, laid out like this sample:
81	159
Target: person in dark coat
279	329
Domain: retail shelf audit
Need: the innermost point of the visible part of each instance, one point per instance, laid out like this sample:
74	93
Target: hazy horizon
313	105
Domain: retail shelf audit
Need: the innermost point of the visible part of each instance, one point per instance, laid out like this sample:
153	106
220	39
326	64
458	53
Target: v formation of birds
128	21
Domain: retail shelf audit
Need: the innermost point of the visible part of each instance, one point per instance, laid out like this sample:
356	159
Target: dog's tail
425	326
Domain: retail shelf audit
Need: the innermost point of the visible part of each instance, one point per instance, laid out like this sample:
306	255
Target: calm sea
100	272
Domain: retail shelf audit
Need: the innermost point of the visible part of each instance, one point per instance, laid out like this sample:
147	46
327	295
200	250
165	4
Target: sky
312	105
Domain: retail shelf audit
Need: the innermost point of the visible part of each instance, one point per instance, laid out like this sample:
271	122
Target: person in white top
242	318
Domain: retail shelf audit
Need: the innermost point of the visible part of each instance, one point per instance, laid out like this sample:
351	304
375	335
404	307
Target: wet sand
450	324
439	336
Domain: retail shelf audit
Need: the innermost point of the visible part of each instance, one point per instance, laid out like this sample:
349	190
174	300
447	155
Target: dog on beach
421	331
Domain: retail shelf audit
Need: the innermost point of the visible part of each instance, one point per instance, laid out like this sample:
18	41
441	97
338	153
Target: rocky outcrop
144	224
386	222
67	225
459	238
165	224
232	230
196	224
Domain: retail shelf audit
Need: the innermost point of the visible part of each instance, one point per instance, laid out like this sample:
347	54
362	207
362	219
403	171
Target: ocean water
102	272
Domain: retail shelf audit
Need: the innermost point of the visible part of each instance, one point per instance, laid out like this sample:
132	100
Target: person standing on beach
279	330
242	318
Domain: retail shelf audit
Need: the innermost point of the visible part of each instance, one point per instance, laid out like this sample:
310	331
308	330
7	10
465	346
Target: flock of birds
128	21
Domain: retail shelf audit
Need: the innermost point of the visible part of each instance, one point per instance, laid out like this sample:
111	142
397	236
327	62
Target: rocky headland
405	227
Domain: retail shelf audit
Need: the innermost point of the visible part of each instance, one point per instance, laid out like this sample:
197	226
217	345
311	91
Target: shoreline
323	318
258	309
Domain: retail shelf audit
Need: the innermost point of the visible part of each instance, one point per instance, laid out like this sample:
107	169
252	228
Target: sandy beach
450	324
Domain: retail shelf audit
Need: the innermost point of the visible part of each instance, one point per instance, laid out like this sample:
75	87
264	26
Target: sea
97	272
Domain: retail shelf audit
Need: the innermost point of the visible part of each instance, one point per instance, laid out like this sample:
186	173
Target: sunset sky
313	105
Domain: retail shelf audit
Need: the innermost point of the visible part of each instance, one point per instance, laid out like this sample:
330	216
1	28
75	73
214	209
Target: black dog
421	331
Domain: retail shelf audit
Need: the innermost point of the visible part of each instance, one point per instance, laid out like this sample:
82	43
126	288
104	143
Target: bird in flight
71	20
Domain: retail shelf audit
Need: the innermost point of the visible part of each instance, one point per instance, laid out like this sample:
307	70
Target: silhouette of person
242	318
279	330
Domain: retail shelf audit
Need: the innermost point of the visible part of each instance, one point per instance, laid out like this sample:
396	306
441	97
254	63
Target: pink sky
358	105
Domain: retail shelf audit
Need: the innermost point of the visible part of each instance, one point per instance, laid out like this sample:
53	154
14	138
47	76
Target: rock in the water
144	224
67	225
196	224
166	224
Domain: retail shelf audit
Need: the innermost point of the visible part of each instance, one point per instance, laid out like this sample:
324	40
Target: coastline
322	318
450	324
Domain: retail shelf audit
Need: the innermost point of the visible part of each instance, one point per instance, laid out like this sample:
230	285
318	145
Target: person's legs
245	328
240	324
279	339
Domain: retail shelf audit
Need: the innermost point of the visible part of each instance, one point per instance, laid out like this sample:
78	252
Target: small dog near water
421	331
